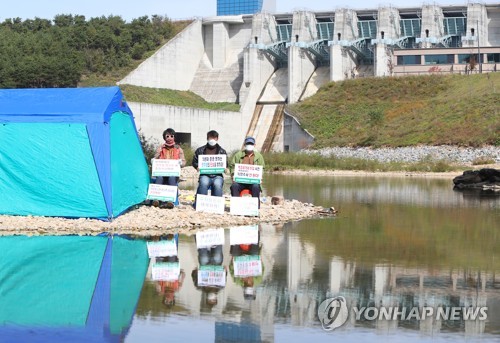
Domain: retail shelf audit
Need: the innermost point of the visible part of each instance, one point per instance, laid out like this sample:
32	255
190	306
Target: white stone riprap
152	221
462	155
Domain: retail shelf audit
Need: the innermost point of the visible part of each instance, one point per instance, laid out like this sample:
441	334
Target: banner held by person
164	167
212	164
248	173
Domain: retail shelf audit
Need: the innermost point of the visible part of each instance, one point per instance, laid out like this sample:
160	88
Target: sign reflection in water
399	242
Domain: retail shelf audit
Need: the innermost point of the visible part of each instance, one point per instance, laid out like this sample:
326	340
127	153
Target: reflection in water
424	246
69	289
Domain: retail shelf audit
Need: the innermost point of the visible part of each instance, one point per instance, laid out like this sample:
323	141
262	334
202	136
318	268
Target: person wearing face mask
246	156
169	150
216	181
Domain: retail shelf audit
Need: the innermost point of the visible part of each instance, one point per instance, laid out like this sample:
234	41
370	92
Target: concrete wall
220	72
301	63
174	65
343	63
432	24
477	20
295	138
388	22
493	20
383	60
346	23
152	119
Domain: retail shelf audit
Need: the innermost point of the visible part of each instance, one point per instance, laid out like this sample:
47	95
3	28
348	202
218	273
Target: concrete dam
265	61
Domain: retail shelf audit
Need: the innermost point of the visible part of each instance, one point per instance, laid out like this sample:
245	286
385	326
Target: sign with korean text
212	164
209	238
210	275
162	248
244	235
247	173
165	271
244	206
163	167
162	192
210	204
247	265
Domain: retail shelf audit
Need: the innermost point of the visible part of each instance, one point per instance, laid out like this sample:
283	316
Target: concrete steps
217	85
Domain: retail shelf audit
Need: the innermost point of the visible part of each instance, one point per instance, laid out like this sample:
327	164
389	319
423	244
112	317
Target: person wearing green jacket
246	156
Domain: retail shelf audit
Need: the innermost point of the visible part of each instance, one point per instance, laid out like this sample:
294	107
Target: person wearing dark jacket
215	181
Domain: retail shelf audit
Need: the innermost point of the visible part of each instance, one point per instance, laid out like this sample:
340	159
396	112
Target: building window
467	58
493	58
439	59
409	59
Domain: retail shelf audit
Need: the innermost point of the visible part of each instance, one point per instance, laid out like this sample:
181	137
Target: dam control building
265	60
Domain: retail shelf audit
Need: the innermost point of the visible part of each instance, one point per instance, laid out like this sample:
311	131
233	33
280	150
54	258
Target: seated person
215	181
246	156
169	151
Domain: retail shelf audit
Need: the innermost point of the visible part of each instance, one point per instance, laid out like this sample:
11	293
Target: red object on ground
245	192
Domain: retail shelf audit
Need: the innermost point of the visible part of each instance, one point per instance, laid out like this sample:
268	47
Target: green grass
404	111
173	98
282	161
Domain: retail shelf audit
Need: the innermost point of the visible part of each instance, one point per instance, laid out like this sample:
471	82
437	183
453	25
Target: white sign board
247	265
212	164
244	206
244	235
163	167
247	173
162	192
214	276
210	204
209	238
165	271
162	248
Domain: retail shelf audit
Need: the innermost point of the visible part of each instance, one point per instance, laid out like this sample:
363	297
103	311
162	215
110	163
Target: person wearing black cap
246	156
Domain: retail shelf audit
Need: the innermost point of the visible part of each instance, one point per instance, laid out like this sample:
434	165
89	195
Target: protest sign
162	192
165	271
209	238
212	164
162	248
163	167
214	276
244	206
244	235
247	173
247	265
211	204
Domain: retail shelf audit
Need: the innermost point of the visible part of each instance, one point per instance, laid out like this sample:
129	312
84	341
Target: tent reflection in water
71	152
69	288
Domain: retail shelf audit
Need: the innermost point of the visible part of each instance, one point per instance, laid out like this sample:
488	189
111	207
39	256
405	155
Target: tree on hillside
44	53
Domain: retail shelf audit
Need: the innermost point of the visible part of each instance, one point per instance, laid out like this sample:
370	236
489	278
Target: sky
177	9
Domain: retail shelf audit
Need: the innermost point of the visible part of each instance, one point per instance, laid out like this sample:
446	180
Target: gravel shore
152	221
461	155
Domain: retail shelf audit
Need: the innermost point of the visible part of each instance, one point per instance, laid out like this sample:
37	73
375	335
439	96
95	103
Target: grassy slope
403	111
174	98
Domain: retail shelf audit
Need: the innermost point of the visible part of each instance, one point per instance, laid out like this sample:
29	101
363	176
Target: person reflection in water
168	288
210	276
246	267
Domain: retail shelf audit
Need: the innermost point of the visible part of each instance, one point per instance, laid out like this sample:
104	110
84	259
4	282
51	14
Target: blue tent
69	152
69	288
